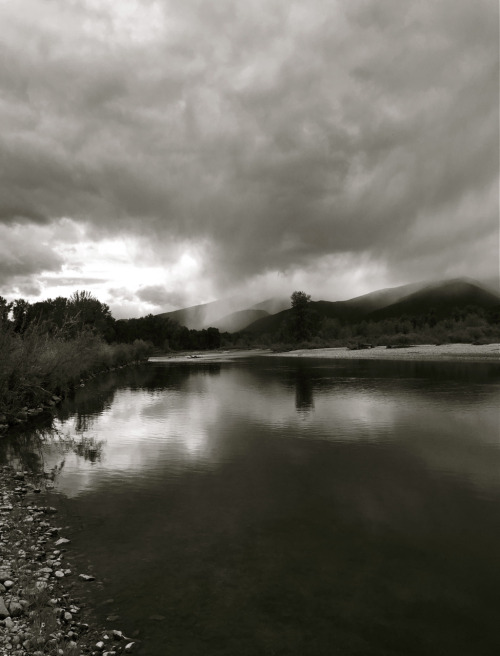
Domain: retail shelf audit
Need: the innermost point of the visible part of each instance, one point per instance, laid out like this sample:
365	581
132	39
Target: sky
161	154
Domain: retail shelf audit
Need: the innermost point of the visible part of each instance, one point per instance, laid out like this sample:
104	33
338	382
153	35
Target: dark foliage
166	334
318	324
67	317
46	348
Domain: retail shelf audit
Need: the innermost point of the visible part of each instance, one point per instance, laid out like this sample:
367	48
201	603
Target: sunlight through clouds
127	21
264	140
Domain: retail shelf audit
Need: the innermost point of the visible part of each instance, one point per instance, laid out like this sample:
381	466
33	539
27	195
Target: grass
35	365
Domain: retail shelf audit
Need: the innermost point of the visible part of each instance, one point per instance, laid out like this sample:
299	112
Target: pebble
15	609
32	576
3	609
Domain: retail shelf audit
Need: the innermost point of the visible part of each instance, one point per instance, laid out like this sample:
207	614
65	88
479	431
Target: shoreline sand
421	352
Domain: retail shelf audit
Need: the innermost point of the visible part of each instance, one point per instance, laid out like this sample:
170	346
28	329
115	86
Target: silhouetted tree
5	309
301	317
20	315
88	311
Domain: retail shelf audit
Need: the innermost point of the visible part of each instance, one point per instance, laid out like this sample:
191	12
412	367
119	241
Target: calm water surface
285	506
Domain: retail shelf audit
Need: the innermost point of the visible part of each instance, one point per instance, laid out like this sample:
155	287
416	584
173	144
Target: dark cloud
159	296
27	288
22	254
273	133
122	294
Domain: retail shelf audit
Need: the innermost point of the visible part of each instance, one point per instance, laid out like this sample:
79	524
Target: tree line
67	317
304	327
50	347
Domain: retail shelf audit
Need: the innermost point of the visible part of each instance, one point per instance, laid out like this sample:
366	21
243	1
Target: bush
35	365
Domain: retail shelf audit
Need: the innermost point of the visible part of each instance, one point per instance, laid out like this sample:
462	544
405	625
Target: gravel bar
38	614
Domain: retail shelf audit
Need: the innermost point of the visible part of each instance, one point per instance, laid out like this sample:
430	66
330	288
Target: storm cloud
236	144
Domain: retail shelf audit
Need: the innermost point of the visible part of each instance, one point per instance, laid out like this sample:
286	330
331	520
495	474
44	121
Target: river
285	506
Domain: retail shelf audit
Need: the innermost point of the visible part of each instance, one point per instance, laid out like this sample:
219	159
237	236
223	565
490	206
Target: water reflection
285	507
189	415
304	391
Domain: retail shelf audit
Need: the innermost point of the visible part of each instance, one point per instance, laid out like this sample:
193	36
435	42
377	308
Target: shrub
35	365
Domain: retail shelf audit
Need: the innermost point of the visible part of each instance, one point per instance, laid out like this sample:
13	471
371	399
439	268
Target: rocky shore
41	612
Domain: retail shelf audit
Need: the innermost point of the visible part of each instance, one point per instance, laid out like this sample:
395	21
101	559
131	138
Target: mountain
355	309
219	314
410	300
440	299
273	305
232	323
382	297
202	316
491	284
238	321
230	315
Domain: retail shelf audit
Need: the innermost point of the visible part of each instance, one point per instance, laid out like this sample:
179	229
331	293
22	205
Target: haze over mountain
229	314
439	299
417	298
237	321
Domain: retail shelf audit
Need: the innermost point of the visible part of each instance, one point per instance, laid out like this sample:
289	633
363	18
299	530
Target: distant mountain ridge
228	314
440	298
233	323
408	300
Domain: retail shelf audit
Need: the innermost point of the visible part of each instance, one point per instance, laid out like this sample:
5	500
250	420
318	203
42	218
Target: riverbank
36	366
430	352
19	414
443	352
41	612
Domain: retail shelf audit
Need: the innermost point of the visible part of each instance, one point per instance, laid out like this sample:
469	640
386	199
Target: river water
286	506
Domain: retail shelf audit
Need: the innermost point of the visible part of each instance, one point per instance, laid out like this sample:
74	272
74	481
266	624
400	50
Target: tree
87	311
20	309
301	317
5	308
300	299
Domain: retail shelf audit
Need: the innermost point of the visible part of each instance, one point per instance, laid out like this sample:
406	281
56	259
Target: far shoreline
421	352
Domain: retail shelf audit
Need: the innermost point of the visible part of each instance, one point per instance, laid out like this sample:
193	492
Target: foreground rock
38	615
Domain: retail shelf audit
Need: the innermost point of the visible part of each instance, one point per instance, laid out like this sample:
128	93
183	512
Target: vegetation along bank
49	348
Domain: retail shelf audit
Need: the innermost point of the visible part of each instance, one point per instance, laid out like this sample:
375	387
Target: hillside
202	316
440	300
229	314
409	300
237	321
354	309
